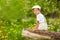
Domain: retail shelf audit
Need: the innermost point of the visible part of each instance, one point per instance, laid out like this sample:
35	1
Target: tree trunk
40	34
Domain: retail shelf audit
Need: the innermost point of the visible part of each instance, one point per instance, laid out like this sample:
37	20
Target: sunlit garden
17	14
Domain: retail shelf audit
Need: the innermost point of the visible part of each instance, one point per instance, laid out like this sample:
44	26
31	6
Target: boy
40	19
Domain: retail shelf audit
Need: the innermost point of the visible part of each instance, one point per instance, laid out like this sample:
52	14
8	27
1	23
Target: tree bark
40	34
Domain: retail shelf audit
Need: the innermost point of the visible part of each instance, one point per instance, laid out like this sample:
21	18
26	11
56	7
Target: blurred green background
17	14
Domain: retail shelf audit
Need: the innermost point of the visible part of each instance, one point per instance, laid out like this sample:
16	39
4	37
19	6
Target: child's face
36	11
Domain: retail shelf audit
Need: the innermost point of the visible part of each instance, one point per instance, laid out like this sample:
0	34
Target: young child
41	23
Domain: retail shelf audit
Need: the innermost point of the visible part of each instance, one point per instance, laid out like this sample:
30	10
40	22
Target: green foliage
12	30
17	14
54	24
14	9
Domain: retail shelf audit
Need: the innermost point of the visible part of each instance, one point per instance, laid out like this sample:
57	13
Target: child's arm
37	25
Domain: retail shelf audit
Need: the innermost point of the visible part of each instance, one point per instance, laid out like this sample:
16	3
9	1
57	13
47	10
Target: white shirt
42	22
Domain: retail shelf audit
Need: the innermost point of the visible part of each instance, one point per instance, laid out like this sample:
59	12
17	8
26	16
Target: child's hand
35	29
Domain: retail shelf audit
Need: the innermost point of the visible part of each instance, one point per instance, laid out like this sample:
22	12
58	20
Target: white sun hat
36	6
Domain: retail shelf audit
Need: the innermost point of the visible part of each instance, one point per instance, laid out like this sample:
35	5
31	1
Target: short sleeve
40	18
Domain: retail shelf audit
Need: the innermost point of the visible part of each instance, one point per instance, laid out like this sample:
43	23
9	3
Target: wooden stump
40	34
